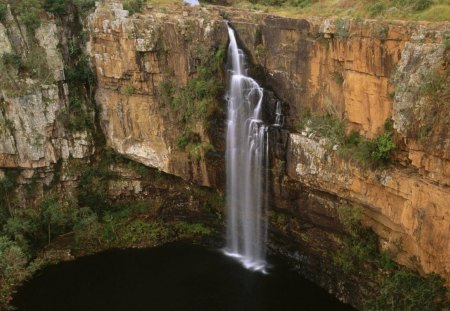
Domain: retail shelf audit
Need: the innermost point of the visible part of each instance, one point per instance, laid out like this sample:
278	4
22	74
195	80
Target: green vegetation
323	125
133	6
436	87
366	152
28	12
3	11
406	290
432	10
197	103
447	42
338	77
360	246
129	89
89	221
78	116
399	288
342	26
84	5
14	60
57	7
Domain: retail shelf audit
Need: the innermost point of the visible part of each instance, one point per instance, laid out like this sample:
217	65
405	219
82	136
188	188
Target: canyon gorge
141	98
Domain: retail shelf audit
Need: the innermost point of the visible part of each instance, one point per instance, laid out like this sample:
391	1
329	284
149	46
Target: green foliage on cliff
399	288
3	11
197	103
57	7
14	60
133	6
406	290
89	221
13	269
28	12
361	244
366	152
323	125
383	145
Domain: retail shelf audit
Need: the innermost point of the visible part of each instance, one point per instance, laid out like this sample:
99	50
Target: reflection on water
176	277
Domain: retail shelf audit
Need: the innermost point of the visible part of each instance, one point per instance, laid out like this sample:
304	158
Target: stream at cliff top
172	277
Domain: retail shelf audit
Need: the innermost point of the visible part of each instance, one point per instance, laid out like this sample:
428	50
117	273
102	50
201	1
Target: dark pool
173	277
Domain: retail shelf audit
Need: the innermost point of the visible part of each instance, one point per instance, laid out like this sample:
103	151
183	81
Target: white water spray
246	159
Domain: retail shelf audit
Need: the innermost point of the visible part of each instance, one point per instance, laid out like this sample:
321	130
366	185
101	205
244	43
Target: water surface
173	277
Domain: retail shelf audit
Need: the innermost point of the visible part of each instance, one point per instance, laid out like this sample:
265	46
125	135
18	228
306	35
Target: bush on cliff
133	6
406	290
3	11
366	152
57	7
398	288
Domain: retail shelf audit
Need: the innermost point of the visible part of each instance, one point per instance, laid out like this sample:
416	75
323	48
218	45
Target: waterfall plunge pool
176	277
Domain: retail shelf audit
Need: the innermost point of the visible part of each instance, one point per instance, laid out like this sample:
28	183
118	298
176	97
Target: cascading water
278	116
246	158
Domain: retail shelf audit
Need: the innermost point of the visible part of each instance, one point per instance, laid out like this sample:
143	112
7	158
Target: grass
438	10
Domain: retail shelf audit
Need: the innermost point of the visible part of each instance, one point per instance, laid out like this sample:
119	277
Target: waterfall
278	115
246	159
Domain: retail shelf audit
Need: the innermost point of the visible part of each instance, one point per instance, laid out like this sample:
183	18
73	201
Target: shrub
14	60
435	87
338	77
129	89
360	246
87	228
76	118
376	8
3	11
84	5
24	227
446	42
383	147
182	142
420	5
381	32
57	7
342	28
302	3
57	217
323	125
81	73
28	11
133	6
417	5
13	261
406	290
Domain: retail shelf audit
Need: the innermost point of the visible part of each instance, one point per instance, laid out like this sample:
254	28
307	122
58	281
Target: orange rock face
133	56
363	72
410	213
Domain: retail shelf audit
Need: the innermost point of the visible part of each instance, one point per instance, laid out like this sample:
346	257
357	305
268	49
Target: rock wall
366	72
363	72
31	134
140	52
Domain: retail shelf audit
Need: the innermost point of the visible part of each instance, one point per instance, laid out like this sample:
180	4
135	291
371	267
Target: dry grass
383	9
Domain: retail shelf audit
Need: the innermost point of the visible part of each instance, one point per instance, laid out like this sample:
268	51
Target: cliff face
31	134
135	57
362	71
155	72
367	72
